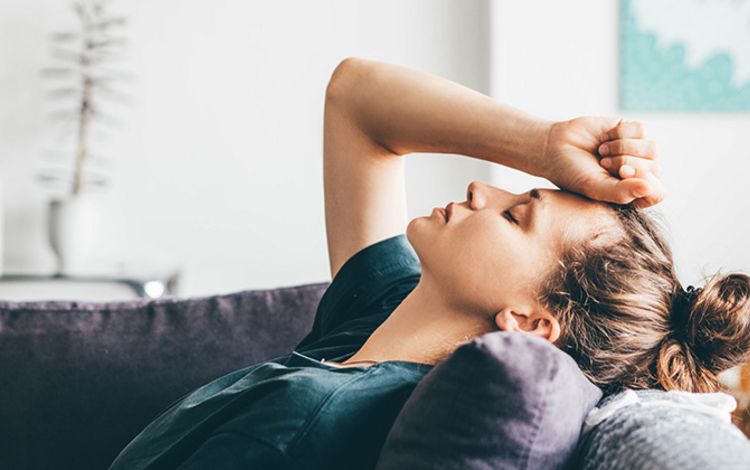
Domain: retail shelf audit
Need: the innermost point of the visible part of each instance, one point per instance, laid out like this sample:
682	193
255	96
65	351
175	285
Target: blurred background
204	152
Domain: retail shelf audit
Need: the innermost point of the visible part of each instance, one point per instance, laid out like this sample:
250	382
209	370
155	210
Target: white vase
74	232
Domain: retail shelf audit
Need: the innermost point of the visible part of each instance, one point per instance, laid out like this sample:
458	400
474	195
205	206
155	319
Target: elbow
341	80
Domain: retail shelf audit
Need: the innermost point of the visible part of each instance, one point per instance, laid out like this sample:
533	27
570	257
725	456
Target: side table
29	287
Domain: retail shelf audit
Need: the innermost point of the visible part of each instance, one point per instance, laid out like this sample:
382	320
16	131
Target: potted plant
83	79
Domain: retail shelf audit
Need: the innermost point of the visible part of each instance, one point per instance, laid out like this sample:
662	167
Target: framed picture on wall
685	55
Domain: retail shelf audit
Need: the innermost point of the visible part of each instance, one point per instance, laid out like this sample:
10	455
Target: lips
448	211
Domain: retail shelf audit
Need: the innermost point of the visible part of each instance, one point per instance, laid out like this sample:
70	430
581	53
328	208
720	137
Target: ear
538	322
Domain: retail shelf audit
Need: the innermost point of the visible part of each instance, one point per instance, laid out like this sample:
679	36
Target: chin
411	230
418	233
418	230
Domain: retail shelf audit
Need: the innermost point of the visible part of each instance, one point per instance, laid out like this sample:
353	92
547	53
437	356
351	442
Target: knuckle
643	149
620	131
638	128
622	195
616	131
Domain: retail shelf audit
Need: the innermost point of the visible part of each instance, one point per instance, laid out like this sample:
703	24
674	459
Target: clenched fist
604	159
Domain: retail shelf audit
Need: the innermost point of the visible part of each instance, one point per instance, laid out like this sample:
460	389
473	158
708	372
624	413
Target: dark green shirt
296	411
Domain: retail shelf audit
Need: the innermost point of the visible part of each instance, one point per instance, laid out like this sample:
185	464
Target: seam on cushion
304	429
134	304
538	418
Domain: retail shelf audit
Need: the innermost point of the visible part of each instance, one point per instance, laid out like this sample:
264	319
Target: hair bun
716	319
682	304
711	333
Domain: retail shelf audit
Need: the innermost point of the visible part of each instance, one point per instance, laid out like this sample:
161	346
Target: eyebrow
537	198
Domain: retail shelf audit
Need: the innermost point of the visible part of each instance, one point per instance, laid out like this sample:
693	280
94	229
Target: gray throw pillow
655	434
503	401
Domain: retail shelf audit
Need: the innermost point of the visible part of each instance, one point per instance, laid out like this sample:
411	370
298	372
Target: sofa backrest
81	379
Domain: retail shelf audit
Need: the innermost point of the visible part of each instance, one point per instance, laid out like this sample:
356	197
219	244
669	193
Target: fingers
626	130
641	192
619	191
630	157
637	147
646	188
629	166
655	194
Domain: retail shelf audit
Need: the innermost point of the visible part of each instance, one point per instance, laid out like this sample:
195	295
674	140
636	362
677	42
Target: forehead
572	217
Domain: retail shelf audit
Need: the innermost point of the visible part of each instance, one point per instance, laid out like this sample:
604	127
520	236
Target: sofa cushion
81	379
503	401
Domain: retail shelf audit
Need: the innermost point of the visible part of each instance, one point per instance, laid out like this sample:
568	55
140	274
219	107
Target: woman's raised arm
405	111
376	112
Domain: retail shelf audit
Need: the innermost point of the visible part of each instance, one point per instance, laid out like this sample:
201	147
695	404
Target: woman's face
496	247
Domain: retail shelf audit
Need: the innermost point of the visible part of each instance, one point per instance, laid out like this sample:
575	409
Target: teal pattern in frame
656	78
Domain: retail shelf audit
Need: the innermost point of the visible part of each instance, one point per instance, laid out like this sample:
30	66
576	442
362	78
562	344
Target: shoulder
370	284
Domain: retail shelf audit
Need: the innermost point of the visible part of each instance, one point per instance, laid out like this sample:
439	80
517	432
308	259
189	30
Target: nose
471	194
479	195
476	195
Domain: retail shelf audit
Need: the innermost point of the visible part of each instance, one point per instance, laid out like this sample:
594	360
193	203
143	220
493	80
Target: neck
424	328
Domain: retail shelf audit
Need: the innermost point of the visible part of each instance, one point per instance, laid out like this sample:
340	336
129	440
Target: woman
588	272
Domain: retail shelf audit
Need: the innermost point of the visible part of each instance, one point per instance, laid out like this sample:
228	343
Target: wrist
540	142
521	141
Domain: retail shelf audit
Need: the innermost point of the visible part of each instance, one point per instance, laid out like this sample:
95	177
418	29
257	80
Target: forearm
405	111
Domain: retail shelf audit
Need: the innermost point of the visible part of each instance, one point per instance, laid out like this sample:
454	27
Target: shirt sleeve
371	283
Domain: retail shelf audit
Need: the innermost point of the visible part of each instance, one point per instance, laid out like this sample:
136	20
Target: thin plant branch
86	54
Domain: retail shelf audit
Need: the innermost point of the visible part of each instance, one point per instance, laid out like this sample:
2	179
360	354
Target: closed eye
509	216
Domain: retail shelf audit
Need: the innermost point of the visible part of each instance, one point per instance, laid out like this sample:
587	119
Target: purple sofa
81	379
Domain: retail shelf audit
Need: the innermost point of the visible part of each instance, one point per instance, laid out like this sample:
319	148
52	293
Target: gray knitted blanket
650	434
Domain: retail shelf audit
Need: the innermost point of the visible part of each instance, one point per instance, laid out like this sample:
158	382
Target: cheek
474	260
483	238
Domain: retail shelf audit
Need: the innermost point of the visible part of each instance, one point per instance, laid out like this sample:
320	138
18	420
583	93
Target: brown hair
628	322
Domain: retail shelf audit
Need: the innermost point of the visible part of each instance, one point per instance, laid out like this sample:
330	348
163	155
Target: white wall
217	165
560	60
